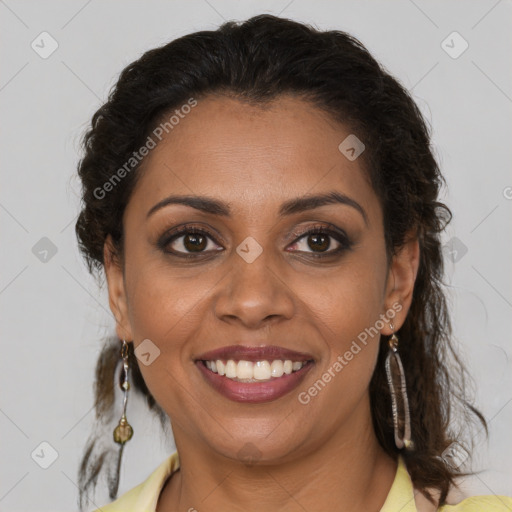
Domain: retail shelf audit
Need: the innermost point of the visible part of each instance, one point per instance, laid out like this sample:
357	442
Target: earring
124	431
404	441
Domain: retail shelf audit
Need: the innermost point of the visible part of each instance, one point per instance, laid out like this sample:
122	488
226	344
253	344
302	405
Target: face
257	274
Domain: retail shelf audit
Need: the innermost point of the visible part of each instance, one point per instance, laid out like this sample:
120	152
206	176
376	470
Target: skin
319	456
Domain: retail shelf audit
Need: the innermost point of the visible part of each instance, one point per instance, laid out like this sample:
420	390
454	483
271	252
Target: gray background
53	313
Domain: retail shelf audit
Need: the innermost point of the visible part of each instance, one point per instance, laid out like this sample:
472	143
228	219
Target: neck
349	472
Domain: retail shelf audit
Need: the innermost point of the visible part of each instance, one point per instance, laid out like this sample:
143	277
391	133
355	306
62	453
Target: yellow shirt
144	497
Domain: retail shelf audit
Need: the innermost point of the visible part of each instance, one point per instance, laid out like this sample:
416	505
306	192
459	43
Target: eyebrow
290	207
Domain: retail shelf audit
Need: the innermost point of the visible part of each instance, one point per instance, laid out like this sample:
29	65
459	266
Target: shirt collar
400	497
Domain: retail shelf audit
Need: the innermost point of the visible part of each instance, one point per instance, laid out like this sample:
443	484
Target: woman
263	200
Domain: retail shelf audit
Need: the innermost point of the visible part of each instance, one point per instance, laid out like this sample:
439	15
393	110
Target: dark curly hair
257	61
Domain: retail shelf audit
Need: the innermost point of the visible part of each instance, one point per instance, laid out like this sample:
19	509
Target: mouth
254	374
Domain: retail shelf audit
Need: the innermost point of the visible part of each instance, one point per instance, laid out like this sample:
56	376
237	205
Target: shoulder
456	501
143	497
125	502
481	504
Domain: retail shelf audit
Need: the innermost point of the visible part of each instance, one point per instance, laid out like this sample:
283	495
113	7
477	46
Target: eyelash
338	235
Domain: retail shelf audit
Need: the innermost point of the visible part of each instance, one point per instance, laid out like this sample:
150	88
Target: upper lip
254	353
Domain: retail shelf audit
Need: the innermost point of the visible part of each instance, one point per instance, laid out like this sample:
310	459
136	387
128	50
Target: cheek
346	308
348	316
354	336
164	311
163	306
168	309
348	302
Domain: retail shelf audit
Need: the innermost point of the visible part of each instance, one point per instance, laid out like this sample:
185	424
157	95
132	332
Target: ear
116	290
400	281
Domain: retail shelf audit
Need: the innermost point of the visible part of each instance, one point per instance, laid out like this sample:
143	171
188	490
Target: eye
319	240
188	241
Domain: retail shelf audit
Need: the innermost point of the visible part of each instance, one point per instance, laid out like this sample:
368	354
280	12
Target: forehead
252	157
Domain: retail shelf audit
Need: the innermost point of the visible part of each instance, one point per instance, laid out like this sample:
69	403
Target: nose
254	294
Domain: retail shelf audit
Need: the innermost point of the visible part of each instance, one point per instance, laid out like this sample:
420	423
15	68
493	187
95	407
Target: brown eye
317	242
188	241
194	242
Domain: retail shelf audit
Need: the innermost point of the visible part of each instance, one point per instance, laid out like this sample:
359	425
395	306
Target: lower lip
254	392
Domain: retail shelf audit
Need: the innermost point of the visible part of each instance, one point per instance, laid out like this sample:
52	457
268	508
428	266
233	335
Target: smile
254	374
248	371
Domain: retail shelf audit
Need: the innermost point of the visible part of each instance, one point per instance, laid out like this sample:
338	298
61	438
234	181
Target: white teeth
221	367
248	371
276	368
262	370
231	369
244	370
